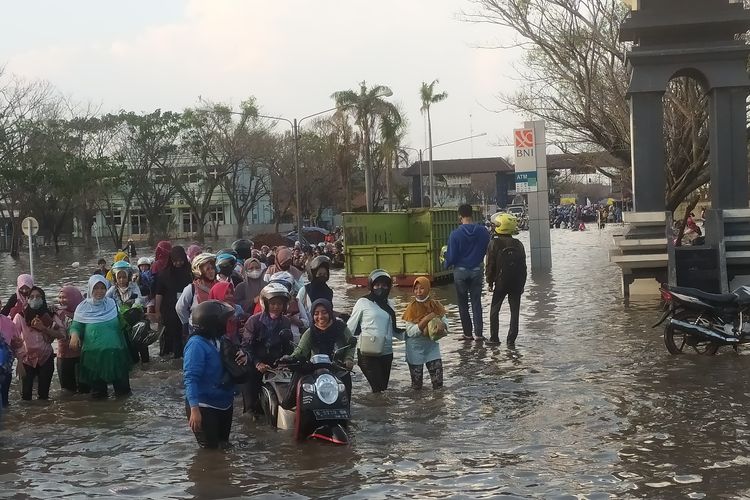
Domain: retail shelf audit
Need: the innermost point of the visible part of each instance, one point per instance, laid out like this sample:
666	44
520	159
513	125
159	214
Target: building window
113	218
216	215
138	224
191	176
189	222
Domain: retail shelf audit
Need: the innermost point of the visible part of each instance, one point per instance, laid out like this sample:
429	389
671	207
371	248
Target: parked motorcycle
323	406
703	322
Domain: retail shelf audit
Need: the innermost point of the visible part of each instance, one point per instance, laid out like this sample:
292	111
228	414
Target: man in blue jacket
467	247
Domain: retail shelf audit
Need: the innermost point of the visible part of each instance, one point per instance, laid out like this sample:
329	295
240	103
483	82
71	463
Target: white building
180	220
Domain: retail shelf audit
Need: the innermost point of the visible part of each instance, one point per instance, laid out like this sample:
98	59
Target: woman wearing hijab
204	272
283	262
96	329
374	317
246	294
422	350
193	251
325	336
318	273
37	358
119	256
174	278
17	302
161	256
67	358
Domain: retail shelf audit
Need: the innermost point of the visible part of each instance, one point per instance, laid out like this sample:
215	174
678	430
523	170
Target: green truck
406	244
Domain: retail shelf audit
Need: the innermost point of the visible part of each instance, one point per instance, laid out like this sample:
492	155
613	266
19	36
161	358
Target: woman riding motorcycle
325	336
267	337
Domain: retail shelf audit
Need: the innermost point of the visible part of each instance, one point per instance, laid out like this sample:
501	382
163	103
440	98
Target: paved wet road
588	405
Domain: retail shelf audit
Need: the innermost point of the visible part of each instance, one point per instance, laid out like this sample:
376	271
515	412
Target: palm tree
429	97
392	133
368	109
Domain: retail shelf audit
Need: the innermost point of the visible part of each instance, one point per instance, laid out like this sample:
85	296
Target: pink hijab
73	297
162	256
192	251
23	280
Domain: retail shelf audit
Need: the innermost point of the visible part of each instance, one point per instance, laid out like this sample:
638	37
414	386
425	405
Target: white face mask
422	300
35	303
254	275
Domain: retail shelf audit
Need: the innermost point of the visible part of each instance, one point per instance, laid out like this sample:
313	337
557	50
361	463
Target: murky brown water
589	405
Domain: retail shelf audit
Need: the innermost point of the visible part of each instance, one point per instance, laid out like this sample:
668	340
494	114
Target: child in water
425	323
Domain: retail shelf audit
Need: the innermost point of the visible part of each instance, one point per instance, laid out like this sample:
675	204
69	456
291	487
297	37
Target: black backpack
511	265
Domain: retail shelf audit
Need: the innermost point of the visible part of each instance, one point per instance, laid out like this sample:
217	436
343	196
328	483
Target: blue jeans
469	285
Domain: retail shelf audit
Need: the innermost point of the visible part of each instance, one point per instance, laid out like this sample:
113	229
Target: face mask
380	292
321	279
35	303
422	300
254	275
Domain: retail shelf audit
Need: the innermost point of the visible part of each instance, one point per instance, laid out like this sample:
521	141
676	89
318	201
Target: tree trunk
241	220
429	143
368	171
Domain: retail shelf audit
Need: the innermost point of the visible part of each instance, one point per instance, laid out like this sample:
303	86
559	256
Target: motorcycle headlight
308	388
327	388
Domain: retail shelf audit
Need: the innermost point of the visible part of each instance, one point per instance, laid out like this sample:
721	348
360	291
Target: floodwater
589	405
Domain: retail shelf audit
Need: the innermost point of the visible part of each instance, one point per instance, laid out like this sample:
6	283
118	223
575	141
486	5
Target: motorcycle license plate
331	414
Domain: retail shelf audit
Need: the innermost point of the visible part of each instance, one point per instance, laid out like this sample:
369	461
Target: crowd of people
251	308
575	217
269	304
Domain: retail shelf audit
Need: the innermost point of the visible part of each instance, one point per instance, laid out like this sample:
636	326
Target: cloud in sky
290	54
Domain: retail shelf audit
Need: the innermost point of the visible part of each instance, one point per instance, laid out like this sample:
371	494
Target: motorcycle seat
713	298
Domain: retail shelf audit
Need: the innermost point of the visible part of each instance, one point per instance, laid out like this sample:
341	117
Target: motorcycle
323	406
704	322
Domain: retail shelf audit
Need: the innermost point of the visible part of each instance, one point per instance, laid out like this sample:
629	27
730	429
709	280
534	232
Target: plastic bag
436	329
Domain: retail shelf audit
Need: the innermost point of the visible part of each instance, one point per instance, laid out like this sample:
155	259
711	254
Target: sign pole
30	227
31	257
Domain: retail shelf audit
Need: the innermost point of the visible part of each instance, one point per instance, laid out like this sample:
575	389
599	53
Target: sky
291	55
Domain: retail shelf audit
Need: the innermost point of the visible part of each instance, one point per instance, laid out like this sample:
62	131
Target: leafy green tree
147	145
392	134
368	108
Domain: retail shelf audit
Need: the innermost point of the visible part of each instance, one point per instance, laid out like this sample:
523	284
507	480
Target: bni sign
525	160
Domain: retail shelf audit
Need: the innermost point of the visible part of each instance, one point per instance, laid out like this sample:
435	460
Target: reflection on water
589	404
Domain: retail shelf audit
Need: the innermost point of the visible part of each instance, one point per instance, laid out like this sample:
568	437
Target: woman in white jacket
373	320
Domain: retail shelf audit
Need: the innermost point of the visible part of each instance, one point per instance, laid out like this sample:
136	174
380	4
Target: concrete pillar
647	150
728	139
538	204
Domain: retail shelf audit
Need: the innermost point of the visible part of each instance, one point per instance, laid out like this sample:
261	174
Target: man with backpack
506	275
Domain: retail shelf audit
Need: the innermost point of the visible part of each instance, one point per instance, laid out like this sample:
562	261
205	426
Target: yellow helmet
505	223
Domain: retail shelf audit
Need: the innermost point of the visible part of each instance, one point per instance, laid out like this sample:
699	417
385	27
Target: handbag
371	344
238	374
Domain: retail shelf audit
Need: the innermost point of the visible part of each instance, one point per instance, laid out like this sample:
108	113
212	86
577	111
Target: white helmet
144	261
273	290
286	279
199	260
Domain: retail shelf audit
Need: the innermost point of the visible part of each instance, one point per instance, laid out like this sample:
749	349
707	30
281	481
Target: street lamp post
295	124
